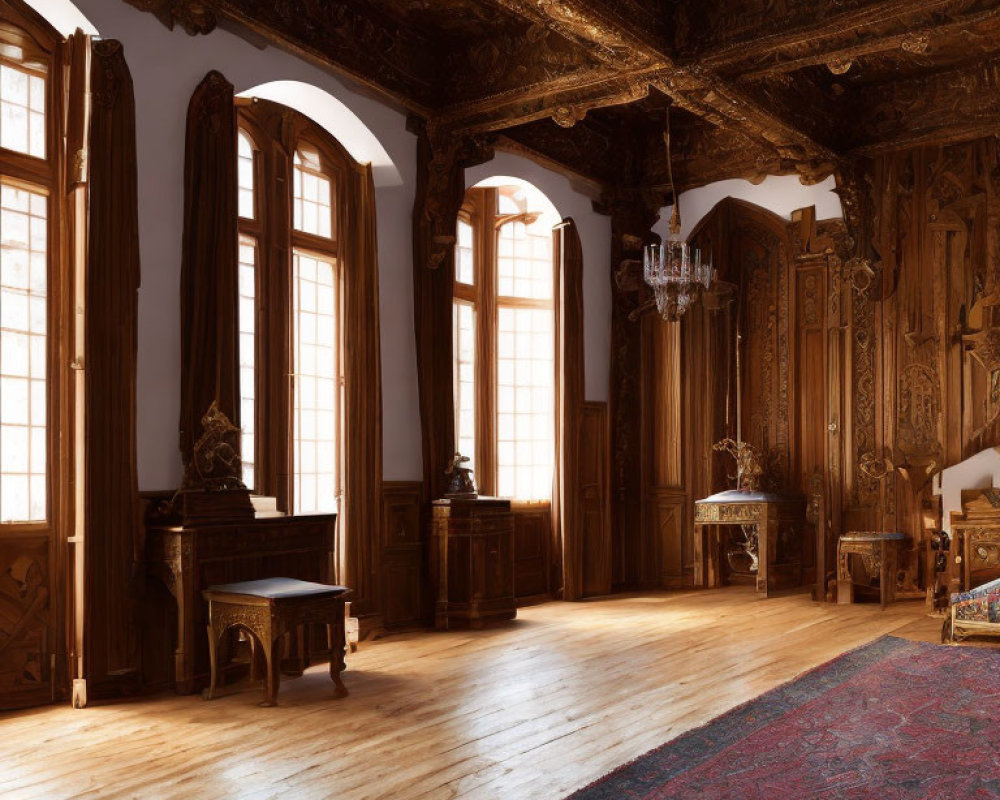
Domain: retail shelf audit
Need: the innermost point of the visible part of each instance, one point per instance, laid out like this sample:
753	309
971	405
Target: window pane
524	261
311	197
23	343
464	269
244	168
248	347
22	111
525	403
465	379
317	384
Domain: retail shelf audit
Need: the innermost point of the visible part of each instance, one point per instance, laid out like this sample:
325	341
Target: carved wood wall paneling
406	599
532	552
665	514
595	500
632	215
114	544
28	617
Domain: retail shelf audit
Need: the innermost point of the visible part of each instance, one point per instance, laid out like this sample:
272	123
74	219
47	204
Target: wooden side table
268	609
879	554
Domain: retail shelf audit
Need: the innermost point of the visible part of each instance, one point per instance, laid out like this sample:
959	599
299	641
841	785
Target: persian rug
893	720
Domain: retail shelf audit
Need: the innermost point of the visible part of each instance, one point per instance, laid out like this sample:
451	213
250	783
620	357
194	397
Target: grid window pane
464	265
248	353
525	403
465	379
244	169
316	400
311	197
524	261
23	344
22	111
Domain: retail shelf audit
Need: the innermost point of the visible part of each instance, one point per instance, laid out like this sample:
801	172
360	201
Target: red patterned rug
894	720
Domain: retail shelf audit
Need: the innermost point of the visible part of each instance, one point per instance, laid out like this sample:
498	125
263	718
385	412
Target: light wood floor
534	709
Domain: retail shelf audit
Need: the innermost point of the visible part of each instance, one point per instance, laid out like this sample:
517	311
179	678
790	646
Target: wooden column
632	214
441	163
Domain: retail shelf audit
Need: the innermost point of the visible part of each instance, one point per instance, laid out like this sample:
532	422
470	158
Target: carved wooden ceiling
757	86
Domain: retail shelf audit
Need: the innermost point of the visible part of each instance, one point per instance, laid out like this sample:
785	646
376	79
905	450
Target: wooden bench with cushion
268	609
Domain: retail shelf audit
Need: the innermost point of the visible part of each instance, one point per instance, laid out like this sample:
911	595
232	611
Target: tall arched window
28	277
290	350
504	367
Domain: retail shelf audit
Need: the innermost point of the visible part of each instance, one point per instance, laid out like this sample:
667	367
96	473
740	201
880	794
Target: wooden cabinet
472	567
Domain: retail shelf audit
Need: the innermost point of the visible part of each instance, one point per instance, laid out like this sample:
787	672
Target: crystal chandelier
674	269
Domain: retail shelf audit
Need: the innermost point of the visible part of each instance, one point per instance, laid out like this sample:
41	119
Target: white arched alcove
595	241
780	194
63	16
537	199
343	124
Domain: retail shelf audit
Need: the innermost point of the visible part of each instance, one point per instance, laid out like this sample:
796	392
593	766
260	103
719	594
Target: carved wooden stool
879	553
268	609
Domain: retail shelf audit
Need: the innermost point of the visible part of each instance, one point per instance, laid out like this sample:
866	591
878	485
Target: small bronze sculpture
748	463
215	464
461	478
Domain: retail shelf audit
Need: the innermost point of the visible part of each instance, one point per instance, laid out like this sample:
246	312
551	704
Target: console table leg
213	660
338	649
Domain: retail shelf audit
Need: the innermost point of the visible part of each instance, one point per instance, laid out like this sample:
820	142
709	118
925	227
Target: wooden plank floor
534	709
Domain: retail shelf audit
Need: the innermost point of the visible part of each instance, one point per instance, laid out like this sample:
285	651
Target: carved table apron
765	510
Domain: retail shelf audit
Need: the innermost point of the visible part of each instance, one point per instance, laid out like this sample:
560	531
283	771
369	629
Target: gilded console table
767	512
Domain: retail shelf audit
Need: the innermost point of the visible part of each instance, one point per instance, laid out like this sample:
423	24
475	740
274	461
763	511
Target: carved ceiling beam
956	105
764	43
911	39
626	36
566	101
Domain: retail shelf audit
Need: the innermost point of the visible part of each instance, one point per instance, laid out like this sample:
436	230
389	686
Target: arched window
504	367
29	275
290	350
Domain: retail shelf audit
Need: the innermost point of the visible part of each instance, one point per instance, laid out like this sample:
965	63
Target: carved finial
568	116
838	66
917	43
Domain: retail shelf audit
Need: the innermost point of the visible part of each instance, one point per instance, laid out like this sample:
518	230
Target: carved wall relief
25	624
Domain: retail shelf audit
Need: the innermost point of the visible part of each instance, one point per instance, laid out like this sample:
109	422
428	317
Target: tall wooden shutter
114	554
569	384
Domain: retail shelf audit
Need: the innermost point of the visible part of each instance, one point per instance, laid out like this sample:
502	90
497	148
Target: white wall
166	67
595	238
781	194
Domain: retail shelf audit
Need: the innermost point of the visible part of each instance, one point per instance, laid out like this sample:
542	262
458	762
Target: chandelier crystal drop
673	269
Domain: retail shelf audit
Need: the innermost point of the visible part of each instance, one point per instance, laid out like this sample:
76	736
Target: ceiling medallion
674	269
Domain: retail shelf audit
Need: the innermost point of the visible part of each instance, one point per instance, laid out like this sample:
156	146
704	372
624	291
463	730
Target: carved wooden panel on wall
403	557
27	632
594	493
